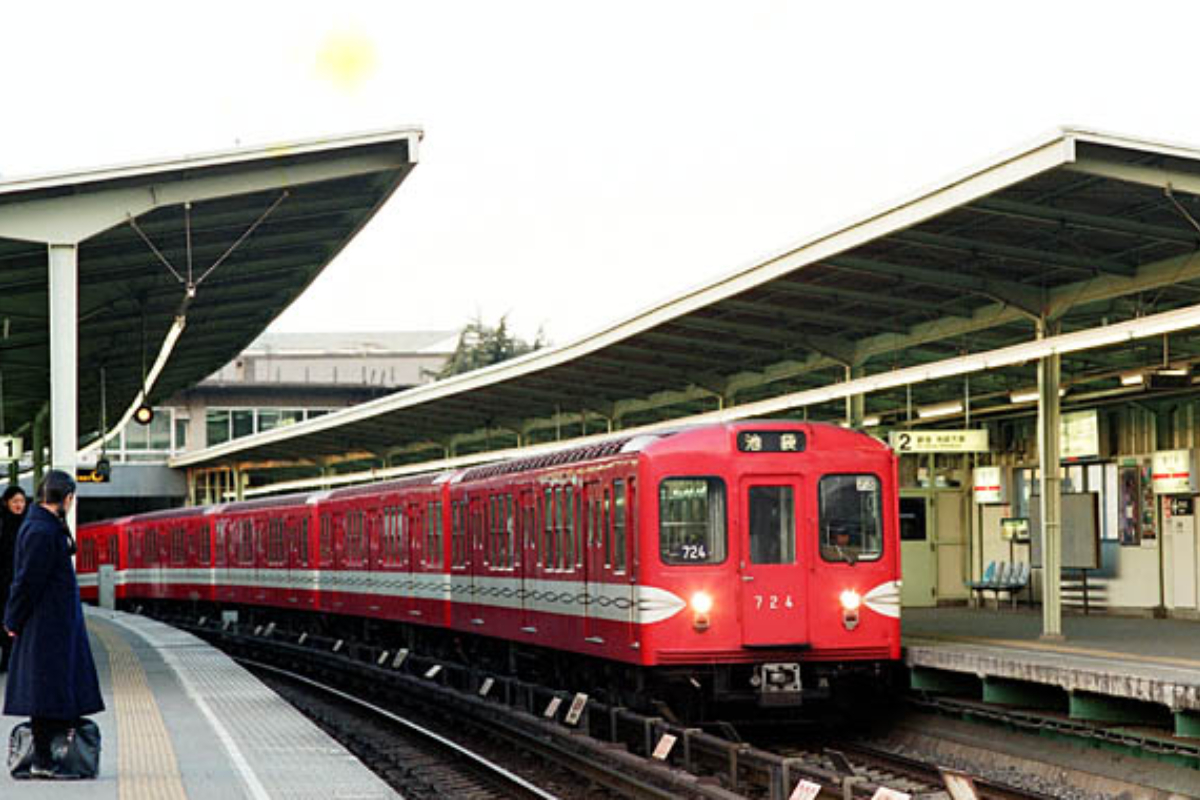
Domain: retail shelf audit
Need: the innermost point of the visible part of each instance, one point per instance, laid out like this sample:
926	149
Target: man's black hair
55	487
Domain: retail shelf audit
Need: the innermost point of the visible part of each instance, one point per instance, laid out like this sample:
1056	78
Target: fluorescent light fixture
1030	395
872	421
1132	378
940	409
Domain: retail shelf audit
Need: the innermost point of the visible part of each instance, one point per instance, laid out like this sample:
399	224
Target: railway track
414	760
608	747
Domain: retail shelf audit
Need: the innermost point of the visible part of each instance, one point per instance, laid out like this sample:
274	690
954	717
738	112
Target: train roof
570	455
408	482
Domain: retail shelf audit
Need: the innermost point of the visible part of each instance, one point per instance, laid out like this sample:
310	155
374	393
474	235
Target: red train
750	560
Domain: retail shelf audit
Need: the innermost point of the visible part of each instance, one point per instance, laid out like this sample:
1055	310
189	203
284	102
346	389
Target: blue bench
1002	576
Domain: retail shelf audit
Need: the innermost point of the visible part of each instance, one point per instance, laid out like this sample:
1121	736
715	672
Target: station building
279	380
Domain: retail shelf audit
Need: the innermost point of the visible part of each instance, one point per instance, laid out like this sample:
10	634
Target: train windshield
851	521
691	513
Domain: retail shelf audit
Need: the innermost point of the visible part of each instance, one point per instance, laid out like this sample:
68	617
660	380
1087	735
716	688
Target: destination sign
771	442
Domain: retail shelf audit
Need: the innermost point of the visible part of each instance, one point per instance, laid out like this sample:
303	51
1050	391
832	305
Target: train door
621	549
529	558
918	554
774	582
594	572
477	535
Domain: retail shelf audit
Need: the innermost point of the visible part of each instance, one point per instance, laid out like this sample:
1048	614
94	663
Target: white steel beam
1187	182
64	371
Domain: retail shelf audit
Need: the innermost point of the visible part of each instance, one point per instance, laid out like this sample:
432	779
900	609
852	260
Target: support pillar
1051	500
856	405
40	421
64	369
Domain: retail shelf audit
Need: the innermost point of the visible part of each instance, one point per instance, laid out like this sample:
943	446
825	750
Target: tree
481	345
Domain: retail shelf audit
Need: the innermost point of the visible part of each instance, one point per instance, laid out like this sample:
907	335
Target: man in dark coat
12	514
52	677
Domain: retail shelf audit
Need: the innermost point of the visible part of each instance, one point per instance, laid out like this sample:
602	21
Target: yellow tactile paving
146	763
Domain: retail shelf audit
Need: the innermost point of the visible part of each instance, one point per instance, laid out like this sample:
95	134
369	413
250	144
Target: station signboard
1173	472
939	441
990	485
1079	435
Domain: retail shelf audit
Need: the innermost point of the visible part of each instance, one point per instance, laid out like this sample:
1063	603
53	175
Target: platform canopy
214	245
1077	231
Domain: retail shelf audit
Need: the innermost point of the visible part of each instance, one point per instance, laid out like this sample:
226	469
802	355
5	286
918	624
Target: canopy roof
1077	230
246	230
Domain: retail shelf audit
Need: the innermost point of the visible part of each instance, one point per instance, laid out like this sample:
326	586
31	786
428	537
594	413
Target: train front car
779	542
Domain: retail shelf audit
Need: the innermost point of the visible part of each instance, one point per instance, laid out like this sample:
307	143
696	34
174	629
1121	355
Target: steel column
1049	374
64	370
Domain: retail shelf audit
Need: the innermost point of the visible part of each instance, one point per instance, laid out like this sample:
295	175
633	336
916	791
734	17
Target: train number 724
773	602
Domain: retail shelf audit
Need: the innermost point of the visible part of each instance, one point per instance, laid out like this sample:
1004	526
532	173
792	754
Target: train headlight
851	600
702	603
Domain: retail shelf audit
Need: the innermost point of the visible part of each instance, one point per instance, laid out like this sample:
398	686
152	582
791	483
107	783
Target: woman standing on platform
52	678
12	514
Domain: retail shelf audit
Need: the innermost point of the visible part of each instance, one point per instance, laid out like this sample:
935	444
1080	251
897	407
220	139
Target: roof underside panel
1102	230
248	229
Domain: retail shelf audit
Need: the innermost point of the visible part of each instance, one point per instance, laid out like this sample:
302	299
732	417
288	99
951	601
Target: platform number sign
10	448
805	790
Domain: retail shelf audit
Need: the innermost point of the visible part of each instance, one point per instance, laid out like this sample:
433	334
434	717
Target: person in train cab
52	678
12	514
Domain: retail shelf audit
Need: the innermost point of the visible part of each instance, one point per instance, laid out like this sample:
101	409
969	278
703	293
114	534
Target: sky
586	160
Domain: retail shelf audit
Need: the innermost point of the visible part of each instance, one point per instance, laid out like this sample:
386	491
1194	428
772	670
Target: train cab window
851	518
691	514
772	525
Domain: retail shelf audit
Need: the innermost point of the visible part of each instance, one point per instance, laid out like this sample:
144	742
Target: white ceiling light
1030	395
940	410
872	421
1132	379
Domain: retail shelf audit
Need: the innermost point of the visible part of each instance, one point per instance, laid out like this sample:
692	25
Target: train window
571	501
275	541
605	511
302	552
114	551
433	534
325	539
620	509
354	536
87	554
548	549
205	545
772	525
458	550
691	515
178	545
851	520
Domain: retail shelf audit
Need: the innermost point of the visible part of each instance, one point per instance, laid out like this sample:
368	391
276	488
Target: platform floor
185	721
1144	659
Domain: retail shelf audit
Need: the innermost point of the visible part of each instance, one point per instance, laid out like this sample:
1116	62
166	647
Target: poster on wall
1149	534
1130	507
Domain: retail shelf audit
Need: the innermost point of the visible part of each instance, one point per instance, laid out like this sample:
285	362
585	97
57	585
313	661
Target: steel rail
494	771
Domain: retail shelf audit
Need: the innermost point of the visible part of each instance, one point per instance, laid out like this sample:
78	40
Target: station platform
1105	669
184	721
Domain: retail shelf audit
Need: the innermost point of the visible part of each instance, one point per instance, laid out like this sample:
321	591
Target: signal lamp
144	415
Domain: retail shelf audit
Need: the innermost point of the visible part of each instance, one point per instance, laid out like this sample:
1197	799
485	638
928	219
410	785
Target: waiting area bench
1002	576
